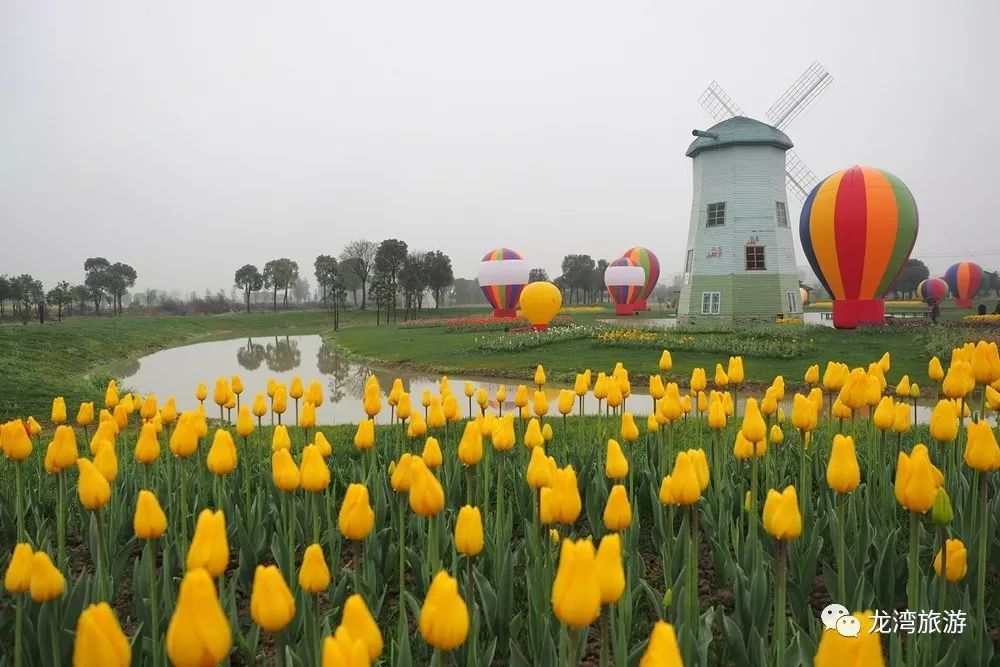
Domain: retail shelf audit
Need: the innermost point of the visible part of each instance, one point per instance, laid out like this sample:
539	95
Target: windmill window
689	261
755	258
793	303
781	212
716	214
711	303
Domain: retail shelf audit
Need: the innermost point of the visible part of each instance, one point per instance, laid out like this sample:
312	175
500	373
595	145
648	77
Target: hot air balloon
964	279
540	301
858	227
625	281
503	273
804	295
932	290
645	258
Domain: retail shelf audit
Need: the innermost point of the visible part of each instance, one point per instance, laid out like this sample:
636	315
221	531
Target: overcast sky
189	138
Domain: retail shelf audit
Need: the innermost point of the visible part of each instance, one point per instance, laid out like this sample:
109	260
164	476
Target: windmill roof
740	131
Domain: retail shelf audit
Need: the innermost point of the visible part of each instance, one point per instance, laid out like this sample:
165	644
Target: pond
177	371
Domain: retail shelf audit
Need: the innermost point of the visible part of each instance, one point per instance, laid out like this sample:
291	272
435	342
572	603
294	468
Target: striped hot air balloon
645	258
932	290
804	295
964	279
624	280
858	227
503	273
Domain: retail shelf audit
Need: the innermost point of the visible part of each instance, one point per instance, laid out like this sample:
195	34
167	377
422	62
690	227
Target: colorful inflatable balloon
540	301
625	282
964	279
503	273
645	258
858	227
804	295
932	290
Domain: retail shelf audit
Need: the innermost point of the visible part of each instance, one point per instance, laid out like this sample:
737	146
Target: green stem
154	607
19	492
841	584
752	522
102	593
604	660
61	520
693	614
803	461
56	653
943	591
780	581
402	557
19	630
984	537
183	514
315	517
913	596
500	494
356	564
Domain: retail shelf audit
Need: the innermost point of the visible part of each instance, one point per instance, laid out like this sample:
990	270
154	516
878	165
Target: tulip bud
618	510
444	617
782	520
662	649
15	441
314	475
149	521
865	648
18	576
469	531
610	573
271	603
842	472
221	458
957	561
284	473
314	574
981	450
93	489
426	492
941	511
199	631
209	547
917	480
576	589
100	641
296	390
47	582
616	465
539	375
356	516
432	454
259	408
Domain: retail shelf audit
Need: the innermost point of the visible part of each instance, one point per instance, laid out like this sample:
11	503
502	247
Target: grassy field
438	350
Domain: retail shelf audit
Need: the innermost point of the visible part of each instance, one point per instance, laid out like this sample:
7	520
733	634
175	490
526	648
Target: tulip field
473	527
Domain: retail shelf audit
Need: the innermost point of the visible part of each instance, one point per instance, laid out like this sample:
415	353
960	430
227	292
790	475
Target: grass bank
72	358
438	350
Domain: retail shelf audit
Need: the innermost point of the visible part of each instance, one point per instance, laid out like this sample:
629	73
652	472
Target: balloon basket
504	312
963	303
640	304
625	309
540	327
848	314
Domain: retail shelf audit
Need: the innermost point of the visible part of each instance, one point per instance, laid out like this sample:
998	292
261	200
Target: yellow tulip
401	476
502	432
47	582
444	617
470	448
280	439
314	574
618	510
147	447
616	465
533	434
539	472
99	640
322	444
959	381
501	393
863	650
629	431
307	418
417	427
901	418
993	398
539	375
782	520
314	394
199	632
435	416
812	375
957	561
884	414
244	422
221	459
284	473
569	505
743	449
279	402
652	425
686	486
271	603
700	462
17	579
716	415
842	472
432	454
610	573
521	396
666	362
903	387
259	408
452	413
841	411
754	428
356	516
917	480
698	380
364	437
106	460
662	649
15	441
404	408
359	622
469	531
85	415
314	475
944	422
209	548
63	448
168	413
184	439
426	492
111	396
777	436
981	450
296	390
93	489
58	414
576	589
344	650
149	521
201	393
540	405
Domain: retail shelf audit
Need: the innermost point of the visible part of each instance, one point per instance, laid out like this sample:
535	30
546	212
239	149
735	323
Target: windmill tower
740	255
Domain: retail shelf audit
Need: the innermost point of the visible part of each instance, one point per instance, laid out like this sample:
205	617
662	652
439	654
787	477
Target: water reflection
282	355
251	356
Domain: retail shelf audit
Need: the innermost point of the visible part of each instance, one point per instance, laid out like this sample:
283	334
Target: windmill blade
801	179
718	103
800	96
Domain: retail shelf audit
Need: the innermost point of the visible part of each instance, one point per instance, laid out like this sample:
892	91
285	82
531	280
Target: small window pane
781	213
716	214
689	261
755	258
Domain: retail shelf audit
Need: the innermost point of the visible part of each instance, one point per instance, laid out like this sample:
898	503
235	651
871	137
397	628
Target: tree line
388	273
104	283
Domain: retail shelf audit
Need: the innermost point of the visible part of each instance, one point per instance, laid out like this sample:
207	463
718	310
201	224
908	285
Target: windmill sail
800	96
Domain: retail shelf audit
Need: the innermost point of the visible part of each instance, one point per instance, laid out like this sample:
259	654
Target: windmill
801	95
740	255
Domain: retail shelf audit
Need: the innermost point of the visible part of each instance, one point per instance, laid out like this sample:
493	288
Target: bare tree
359	258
